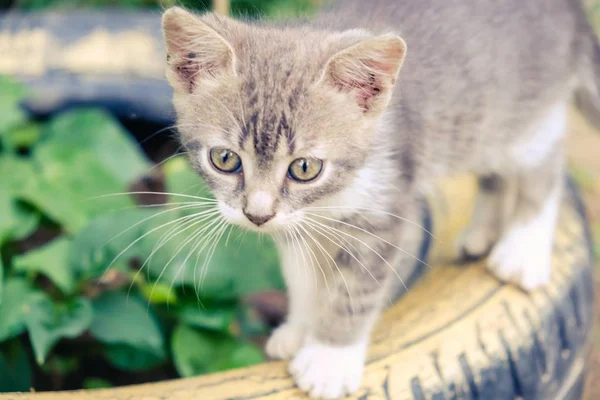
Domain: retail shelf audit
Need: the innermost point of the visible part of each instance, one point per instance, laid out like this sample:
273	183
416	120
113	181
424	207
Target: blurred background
101	291
235	7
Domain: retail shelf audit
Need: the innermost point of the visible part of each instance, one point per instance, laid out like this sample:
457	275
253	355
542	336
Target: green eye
225	160
305	169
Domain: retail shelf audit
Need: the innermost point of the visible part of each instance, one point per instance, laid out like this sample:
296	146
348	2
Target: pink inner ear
189	70
366	89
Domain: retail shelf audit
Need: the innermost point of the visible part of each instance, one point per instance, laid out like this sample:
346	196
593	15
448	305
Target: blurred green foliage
238	7
142	288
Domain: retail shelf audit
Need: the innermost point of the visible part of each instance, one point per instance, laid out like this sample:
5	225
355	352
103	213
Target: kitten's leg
331	362
300	281
523	254
486	222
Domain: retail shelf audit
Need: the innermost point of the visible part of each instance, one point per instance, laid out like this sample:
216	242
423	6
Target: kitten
327	132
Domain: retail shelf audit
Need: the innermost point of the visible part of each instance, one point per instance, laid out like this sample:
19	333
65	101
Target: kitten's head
276	119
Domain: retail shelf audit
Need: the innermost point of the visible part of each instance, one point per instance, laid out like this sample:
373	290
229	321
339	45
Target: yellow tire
457	334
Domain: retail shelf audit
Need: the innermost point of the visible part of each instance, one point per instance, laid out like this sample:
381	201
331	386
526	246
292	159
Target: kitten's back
480	71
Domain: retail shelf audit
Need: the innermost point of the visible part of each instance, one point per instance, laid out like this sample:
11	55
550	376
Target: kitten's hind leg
523	253
486	222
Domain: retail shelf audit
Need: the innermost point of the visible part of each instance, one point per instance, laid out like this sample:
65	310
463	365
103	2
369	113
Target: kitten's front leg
330	364
301	283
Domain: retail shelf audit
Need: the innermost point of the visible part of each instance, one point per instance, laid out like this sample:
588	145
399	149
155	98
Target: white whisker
373	235
366	245
334	208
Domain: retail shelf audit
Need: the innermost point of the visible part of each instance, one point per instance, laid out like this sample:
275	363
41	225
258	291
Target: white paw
329	372
523	256
285	341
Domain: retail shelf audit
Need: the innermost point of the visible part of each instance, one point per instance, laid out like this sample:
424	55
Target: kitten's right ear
195	51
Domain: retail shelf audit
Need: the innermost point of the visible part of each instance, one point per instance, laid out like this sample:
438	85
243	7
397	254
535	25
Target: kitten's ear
195	51
368	70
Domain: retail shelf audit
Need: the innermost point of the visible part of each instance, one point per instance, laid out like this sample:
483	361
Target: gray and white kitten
328	131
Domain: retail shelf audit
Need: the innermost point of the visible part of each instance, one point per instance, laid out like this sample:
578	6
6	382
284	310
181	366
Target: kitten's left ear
368	71
195	51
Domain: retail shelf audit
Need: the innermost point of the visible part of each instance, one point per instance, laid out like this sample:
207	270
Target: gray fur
479	79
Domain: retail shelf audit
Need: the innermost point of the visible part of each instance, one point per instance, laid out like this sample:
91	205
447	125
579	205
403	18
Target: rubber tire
457	334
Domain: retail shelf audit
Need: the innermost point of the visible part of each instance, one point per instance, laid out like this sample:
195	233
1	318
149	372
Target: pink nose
258	220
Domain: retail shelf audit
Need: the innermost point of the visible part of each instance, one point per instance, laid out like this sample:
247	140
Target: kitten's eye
305	169
225	160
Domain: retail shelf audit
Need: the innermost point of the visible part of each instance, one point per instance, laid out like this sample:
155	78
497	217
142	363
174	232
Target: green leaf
198	352
84	159
105	237
1	280
61	365
48	322
16	221
17	294
130	358
23	136
159	293
69	190
51	260
210	317
123	319
11	113
242	266
96	383
180	178
97	132
15	369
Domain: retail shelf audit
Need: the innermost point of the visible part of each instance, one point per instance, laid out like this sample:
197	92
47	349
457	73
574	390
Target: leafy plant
88	277
250	8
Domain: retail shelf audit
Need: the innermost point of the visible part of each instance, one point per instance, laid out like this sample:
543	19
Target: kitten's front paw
523	256
329	372
475	242
285	341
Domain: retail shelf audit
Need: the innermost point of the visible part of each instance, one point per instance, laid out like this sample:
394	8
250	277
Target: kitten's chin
236	217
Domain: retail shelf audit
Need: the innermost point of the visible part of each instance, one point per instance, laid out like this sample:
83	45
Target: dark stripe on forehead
265	137
283	128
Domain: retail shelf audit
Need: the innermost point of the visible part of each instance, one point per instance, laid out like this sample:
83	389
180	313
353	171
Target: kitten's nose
258	220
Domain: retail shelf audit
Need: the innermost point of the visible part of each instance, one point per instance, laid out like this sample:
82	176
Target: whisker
191	205
372	234
294	235
211	250
312	258
191	220
157	193
326	235
205	243
158	132
199	242
142	237
176	154
185	243
326	254
367	246
333	208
